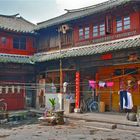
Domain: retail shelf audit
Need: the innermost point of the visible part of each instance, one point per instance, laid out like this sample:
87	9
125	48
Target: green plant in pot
53	103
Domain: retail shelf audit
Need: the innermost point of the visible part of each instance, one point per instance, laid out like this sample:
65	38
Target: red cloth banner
77	96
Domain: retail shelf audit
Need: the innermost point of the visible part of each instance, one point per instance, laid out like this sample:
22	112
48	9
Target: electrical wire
36	86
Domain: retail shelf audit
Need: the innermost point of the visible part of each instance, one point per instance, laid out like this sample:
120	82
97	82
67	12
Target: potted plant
53	103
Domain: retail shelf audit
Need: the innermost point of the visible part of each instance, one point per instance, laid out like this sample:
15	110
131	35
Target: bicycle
3	105
92	105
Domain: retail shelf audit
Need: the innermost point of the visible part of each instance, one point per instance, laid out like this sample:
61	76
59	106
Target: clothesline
81	83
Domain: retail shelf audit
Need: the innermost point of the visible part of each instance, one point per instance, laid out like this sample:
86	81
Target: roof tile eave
93	49
7	58
78	14
15	23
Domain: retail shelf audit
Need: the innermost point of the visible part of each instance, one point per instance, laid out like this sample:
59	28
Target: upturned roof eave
100	48
17	31
40	27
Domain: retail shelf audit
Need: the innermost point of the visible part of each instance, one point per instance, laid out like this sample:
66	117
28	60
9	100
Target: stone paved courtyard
73	130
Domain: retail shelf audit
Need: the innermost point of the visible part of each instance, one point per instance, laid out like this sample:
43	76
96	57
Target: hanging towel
102	84
129	101
123	97
92	84
110	84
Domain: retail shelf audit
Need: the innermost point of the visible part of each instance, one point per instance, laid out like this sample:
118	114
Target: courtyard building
95	50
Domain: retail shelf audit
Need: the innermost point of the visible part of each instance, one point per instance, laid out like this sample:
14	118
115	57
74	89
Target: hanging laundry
126	101
109	84
102	84
123	97
129	101
65	84
92	84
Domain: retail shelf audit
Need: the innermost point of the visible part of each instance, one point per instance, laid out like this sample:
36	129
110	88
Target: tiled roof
93	49
16	23
7	58
79	13
131	42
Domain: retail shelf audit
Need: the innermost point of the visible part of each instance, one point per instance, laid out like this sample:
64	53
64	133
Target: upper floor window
99	30
126	22
102	29
3	40
81	33
95	31
119	24
84	33
123	23
19	43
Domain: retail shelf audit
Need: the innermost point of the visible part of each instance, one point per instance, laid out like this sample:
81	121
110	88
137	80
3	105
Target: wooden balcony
47	48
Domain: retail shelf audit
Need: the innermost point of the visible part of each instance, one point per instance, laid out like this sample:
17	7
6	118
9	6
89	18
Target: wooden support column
97	80
77	95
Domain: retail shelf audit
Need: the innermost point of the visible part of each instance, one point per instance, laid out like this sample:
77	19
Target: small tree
53	103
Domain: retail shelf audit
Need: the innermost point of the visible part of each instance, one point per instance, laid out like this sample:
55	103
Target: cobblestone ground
73	130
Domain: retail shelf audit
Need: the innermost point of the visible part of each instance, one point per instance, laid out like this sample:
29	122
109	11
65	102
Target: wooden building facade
16	70
100	43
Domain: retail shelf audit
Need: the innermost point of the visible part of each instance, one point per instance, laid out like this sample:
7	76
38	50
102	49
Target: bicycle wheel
88	103
94	107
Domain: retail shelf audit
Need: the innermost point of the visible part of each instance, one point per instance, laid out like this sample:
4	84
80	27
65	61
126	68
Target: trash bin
102	107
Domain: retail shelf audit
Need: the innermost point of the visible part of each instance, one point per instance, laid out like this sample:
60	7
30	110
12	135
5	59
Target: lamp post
60	72
62	29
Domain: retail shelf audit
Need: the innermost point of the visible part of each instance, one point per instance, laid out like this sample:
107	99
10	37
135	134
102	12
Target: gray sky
41	10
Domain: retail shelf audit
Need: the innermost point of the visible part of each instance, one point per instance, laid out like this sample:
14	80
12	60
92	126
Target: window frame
96	28
3	41
119	24
125	23
81	33
20	43
99	29
87	32
102	26
84	32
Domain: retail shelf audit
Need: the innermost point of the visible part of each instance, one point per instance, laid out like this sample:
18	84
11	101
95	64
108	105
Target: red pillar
77	95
